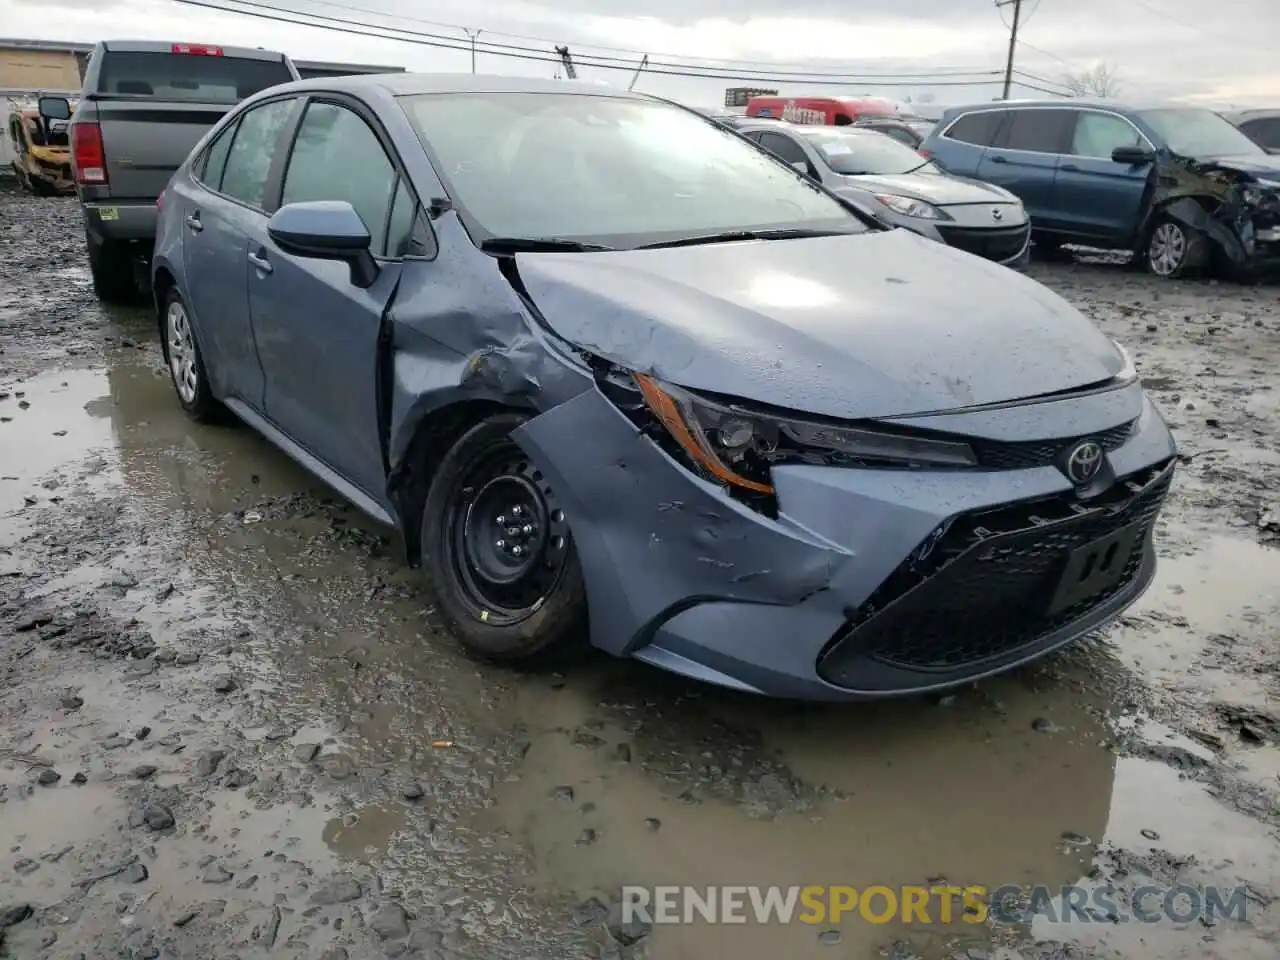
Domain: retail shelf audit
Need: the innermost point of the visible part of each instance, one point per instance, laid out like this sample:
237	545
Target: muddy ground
230	728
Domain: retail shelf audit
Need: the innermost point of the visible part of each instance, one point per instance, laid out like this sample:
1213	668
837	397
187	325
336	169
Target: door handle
1070	167
261	262
193	221
999	160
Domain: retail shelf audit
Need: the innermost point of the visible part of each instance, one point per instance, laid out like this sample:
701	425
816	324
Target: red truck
831	111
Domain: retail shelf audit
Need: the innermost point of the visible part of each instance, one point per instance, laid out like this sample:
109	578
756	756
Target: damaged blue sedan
619	377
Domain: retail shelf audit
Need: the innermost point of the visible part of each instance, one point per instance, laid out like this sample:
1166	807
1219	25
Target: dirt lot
229	727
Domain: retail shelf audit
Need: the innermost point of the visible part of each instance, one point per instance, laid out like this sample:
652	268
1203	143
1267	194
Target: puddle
362	835
52	433
1159	818
1203	611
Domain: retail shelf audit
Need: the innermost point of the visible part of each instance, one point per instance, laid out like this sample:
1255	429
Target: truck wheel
1174	249
111	264
498	552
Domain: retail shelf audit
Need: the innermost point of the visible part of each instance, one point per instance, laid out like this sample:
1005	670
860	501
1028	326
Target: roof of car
409	84
1096	103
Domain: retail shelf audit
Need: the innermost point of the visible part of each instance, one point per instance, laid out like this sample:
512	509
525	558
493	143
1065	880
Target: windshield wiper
538	245
729	236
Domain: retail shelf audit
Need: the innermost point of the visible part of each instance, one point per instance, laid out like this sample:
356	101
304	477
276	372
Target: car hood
935	188
1266	166
879	324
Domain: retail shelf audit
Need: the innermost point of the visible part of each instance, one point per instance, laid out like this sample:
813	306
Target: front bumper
870	582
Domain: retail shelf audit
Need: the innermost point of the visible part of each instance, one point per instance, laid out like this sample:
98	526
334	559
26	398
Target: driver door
317	332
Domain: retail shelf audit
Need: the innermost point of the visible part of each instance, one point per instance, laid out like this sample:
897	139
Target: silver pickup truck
145	104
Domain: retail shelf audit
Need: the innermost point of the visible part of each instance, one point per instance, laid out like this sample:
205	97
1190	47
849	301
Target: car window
252	150
608	169
338	157
1097	134
200	77
1199	133
408	234
902	135
215	159
976	128
784	147
1037	130
868	152
1265	130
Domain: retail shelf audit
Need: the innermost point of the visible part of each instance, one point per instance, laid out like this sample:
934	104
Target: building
28	67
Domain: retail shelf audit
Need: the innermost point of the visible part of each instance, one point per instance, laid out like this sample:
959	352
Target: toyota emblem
1084	462
996	214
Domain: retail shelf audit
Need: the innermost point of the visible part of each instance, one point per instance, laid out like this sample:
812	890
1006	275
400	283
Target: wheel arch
436	430
162	281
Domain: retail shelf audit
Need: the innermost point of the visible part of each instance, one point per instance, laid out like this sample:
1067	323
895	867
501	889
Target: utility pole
1013	42
473	36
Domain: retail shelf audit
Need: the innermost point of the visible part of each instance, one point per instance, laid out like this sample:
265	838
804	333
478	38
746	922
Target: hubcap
182	353
1168	249
510	539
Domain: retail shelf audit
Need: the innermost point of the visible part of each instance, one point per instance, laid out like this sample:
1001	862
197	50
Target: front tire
186	364
1173	249
498	550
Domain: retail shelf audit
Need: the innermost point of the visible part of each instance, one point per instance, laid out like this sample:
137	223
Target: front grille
1000	243
1043	453
980	587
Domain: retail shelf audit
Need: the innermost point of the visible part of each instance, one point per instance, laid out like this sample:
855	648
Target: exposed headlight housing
736	445
1129	371
911	207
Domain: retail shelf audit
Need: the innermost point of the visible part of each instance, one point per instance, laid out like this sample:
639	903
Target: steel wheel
1167	252
509	541
182	353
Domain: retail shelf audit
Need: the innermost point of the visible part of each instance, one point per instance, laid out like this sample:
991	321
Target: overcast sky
1223	53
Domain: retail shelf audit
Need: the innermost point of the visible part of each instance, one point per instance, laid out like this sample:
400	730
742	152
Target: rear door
1024	158
959	148
1095	196
317	332
224	204
154	105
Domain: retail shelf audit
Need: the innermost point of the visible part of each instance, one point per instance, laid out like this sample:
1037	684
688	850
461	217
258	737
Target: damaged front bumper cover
868	583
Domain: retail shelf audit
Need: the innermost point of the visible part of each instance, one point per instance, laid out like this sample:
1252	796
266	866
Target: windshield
1196	132
188	77
608	169
855	154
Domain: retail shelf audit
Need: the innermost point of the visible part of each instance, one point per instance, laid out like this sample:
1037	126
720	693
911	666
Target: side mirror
54	108
800	166
326	230
1134	156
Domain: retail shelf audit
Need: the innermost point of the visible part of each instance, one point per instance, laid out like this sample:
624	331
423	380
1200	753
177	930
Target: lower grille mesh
982	585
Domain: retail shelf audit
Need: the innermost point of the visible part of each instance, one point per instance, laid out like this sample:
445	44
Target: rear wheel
111	264
499	552
186	365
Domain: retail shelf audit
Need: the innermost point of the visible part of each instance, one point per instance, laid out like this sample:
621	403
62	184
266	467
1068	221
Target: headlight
1129	371
910	207
736	445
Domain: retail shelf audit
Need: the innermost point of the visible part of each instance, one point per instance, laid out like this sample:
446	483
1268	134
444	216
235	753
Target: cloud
1161	48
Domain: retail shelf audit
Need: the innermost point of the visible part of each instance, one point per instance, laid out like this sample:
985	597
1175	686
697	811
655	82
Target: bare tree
1100	80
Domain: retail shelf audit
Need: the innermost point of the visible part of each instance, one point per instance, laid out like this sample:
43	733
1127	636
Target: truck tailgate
145	142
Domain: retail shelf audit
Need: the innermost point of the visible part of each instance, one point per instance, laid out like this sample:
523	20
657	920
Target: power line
1199	28
420	38
766	65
